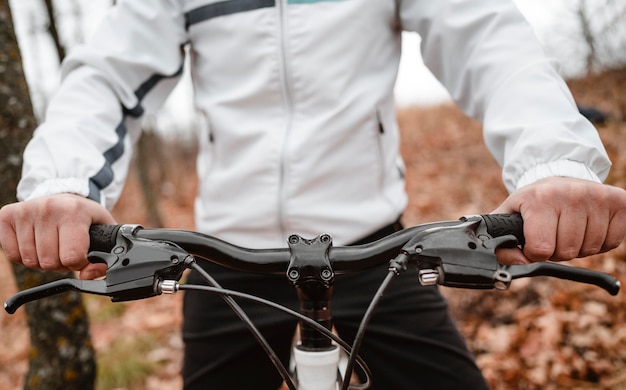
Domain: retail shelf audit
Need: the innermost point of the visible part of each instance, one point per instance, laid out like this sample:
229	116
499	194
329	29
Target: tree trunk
590	40
53	30
146	163
61	354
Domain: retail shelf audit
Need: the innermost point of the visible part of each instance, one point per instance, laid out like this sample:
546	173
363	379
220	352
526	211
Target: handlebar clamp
309	259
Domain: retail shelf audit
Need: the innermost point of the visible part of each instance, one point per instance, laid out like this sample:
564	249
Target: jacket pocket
206	145
388	143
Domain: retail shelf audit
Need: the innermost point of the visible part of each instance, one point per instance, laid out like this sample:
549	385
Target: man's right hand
52	233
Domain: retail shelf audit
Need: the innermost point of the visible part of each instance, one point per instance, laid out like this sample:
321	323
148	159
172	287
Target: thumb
511	256
99	216
93	271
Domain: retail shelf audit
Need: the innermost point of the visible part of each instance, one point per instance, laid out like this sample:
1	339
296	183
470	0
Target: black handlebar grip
102	238
505	224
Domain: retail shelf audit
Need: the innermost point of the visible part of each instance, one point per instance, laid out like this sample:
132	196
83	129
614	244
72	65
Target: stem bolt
293	274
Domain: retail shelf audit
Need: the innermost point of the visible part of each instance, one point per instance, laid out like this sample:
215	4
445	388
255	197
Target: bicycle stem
311	273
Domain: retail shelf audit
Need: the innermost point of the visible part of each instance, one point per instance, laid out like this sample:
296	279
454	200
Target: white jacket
299	133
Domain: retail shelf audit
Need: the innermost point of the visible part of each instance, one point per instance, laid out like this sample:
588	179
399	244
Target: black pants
411	342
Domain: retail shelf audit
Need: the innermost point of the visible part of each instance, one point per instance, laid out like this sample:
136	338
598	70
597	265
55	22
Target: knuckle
8	210
48	263
539	252
590	250
48	207
28	257
51	208
593	244
543	194
597	198
9	247
73	260
567	253
610	243
30	262
5	214
617	195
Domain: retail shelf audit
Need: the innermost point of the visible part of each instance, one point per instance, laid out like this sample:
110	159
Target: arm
76	164
487	56
489	59
125	71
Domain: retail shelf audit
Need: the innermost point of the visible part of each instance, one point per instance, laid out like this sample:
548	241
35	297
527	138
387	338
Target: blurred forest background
541	334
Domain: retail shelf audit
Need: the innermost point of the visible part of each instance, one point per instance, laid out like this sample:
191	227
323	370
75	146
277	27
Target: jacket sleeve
487	56
126	70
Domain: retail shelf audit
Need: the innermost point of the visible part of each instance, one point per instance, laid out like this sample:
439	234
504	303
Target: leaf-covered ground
541	334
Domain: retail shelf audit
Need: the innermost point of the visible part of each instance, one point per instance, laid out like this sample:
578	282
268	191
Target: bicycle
143	263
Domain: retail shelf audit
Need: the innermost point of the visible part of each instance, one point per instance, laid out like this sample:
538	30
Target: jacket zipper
288	94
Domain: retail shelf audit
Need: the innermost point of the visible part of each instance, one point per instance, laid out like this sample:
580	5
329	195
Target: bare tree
77	14
61	354
588	36
603	33
53	30
149	163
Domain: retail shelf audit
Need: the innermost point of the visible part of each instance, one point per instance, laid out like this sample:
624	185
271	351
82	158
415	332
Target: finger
8	242
27	246
540	234
74	230
93	271
511	256
47	246
616	231
570	234
74	233
73	245
595	233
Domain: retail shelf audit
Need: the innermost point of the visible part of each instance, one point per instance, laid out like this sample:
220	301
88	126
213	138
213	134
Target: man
299	136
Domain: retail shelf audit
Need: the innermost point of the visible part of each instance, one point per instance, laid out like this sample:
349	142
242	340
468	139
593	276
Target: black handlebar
451	253
142	263
264	261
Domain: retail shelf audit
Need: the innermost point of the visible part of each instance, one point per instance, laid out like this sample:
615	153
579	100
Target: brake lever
135	268
561	271
97	287
463	256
